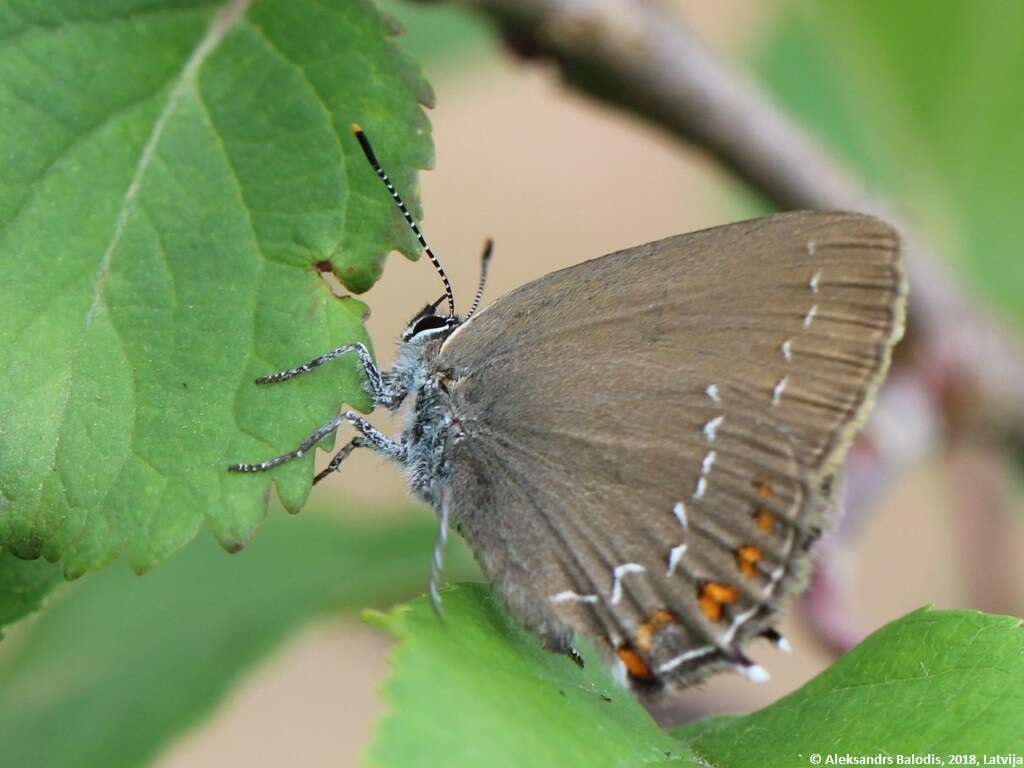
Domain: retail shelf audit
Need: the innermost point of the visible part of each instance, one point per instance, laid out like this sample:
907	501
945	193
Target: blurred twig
961	367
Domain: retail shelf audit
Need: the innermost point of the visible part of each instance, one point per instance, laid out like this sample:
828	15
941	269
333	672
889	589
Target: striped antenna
375	164
485	259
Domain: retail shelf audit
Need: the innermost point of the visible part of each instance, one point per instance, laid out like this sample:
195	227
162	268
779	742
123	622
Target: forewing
651	439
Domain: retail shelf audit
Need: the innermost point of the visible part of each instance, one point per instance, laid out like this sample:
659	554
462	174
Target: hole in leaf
326	272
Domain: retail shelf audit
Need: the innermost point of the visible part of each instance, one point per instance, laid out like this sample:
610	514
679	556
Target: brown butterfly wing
651	439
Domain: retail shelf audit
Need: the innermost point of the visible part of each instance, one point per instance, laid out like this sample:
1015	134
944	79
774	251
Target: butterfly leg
340	456
573	654
372	439
380	386
437	563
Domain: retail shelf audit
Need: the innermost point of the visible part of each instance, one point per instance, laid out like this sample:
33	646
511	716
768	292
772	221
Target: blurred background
923	99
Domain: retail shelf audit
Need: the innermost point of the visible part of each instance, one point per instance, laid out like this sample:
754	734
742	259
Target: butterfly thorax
428	418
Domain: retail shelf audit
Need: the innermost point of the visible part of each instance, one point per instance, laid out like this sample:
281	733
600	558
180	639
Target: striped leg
373	374
373	439
340	456
437	563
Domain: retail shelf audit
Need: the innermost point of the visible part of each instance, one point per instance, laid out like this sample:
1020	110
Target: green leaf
121	664
924	103
175	175
933	682
478	690
23	585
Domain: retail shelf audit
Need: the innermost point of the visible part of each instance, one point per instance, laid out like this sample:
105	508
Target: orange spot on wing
722	593
763	488
635	665
712	609
765	520
713	595
747	558
647	630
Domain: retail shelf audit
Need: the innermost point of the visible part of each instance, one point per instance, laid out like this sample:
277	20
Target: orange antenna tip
357	128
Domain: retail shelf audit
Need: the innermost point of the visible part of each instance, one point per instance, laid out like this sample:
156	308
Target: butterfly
643	448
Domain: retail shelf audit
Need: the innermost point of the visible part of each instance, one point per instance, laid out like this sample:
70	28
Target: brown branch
640	57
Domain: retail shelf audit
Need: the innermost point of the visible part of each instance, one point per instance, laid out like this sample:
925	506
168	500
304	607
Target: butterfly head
427	323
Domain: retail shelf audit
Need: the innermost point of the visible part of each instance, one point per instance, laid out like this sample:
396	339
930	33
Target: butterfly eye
428	323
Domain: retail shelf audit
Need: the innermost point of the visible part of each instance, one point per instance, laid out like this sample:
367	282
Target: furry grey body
643	448
429	424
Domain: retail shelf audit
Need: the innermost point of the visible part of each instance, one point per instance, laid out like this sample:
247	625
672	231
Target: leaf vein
185	82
